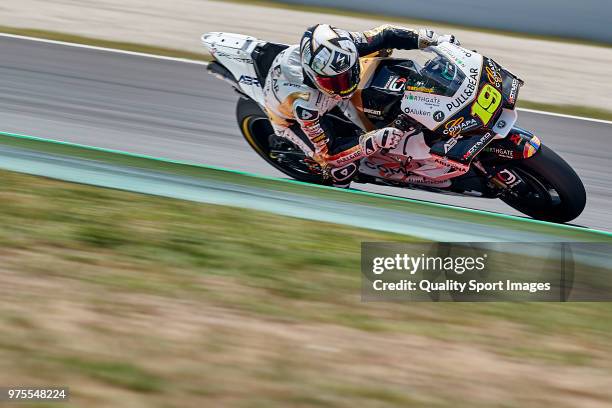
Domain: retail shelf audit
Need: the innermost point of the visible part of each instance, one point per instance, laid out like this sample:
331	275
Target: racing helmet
330	60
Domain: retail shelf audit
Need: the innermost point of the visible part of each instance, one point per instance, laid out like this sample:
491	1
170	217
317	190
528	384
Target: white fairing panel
431	110
413	154
233	51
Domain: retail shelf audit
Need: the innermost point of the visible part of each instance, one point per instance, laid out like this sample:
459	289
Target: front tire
279	152
554	191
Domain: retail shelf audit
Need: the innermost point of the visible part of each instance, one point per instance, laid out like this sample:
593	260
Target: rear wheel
552	191
279	152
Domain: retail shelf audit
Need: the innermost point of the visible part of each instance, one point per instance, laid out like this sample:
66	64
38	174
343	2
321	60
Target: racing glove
427	38
385	138
448	38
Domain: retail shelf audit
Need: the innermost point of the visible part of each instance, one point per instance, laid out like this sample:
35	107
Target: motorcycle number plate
505	122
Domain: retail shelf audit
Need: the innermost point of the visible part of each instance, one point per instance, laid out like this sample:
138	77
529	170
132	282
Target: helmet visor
343	85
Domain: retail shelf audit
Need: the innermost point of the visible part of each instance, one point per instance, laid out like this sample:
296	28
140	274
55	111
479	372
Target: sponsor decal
372	112
344	173
493	74
419	89
456	126
501	124
516	139
312	128
341	62
417	112
427	100
233	57
428	182
467	93
508	178
439	116
451	52
315	134
290	85
349	91
513	91
248	80
450	163
351	157
465	52
389	172
478	145
505	153
487	102
306	114
368	146
450	144
396	84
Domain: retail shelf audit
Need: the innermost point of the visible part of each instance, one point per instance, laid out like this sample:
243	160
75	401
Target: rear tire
556	192
258	132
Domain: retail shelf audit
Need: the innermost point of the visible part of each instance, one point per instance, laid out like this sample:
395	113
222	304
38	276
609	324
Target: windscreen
440	75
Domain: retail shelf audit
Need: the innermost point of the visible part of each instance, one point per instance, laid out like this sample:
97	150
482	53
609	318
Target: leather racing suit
297	109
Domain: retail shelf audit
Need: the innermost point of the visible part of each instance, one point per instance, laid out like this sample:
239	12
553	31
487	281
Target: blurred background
134	300
588	20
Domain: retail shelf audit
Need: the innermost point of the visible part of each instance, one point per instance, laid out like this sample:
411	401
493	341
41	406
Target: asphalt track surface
175	110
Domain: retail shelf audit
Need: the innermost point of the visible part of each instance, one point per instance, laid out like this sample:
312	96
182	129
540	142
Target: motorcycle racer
308	80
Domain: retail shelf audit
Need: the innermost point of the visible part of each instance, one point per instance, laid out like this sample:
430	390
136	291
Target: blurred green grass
141	301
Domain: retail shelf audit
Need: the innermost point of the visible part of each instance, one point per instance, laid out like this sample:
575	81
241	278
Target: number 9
487	103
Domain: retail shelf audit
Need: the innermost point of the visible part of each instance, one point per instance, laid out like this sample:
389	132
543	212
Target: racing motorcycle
457	109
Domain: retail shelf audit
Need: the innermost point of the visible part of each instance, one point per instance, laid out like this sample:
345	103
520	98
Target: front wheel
552	192
279	152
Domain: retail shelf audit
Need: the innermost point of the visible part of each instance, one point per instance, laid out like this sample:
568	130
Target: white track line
561	115
115	50
191	61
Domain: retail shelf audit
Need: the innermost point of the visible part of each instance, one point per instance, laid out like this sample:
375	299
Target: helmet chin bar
337	96
341	86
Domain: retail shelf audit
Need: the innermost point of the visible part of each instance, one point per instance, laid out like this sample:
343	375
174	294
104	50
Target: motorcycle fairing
234	52
382	88
495	84
511	87
520	144
462	149
410	162
433	109
387	93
